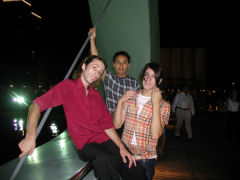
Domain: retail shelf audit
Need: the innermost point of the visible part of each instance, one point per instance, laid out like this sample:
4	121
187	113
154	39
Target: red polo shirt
87	115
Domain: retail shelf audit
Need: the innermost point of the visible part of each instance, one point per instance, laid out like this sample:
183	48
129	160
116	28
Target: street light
19	100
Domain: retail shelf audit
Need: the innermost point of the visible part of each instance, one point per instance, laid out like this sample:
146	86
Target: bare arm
93	47
28	144
120	113
123	151
157	125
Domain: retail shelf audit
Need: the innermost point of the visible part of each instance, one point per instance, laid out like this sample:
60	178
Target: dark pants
232	126
107	162
149	166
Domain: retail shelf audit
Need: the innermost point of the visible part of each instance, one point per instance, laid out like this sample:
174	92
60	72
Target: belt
183	108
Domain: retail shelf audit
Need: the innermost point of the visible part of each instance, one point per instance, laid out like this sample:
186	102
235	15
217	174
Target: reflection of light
27	3
54	129
11	86
15	126
62	143
36	15
20	124
34	157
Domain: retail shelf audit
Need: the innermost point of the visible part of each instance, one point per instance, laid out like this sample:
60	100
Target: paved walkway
207	157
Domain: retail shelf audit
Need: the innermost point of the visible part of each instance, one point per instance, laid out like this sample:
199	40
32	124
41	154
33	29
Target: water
13	124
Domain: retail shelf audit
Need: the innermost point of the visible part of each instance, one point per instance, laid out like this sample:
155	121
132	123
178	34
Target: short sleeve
165	111
54	97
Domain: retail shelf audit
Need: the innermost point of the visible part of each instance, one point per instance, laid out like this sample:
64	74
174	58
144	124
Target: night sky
27	41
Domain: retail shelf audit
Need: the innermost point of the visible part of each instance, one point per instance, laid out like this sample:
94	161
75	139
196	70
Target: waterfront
13	124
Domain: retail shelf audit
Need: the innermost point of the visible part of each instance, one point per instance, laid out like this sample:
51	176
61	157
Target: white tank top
141	100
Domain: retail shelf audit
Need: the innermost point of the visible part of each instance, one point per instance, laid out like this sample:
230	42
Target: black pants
108	164
232	126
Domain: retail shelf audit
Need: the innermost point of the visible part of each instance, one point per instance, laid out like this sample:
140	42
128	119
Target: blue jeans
149	166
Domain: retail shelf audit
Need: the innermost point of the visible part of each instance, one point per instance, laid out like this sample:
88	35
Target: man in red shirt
89	123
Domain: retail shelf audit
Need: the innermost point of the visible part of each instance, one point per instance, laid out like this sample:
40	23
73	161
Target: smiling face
92	71
121	66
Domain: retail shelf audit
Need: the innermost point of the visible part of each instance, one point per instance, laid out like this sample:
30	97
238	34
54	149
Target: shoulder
66	82
69	81
165	104
109	74
131	79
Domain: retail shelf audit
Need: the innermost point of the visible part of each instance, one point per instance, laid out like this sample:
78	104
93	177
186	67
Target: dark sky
64	26
214	27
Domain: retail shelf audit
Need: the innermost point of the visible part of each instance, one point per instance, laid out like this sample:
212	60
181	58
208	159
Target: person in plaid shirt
144	115
115	85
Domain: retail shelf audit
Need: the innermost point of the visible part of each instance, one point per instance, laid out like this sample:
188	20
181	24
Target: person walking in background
183	105
232	116
144	115
118	83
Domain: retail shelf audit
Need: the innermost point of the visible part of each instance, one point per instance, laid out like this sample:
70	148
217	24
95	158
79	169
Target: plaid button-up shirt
142	127
115	87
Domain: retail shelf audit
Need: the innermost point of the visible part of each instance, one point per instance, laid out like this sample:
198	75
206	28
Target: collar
81	87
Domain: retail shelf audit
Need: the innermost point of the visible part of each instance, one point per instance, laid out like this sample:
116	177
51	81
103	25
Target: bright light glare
20	124
19	100
54	129
27	3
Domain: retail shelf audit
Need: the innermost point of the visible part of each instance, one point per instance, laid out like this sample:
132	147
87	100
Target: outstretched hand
124	153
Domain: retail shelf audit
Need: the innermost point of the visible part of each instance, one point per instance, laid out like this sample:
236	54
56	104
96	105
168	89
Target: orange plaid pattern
142	127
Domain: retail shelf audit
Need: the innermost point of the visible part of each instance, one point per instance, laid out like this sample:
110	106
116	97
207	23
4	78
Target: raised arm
28	144
157	125
120	113
93	48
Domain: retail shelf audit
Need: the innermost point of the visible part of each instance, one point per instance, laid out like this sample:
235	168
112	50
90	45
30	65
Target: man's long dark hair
87	61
